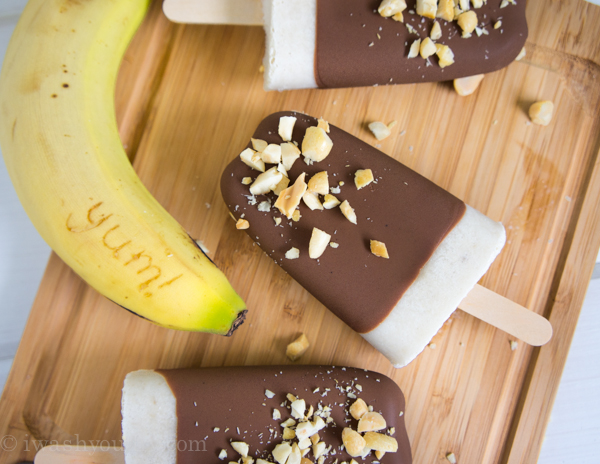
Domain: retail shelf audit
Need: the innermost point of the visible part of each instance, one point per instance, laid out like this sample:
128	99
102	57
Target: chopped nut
286	127
314	439
289	198
269	394
389	8
312	201
323	125
298	406
427	8
277	220
304	443
436	31
427	48
380	130
289	422
292	253
445	55
258	144
353	442
398	17
316	144
358	409
348	211
319	183
497	24
266	181
513	345
371	422
379	249
392	430
306	460
477	3
295	456
467	22
263	461
451	458
334	245
467	85
252	159
288	434
247	180
296	349
242	224
310	412
380	442
241	447
379	454
289	154
330	201
281	186
282	452
415	48
541	112
276	414
445	10
318	449
247	460
296	216
264	206
318	243
521	54
362	178
271	154
223	454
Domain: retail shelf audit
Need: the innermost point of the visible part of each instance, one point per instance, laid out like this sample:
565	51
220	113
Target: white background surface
573	435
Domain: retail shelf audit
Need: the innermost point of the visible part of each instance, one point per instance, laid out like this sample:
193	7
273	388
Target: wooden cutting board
188	99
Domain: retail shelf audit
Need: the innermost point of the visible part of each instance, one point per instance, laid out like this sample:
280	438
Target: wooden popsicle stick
63	454
507	315
238	12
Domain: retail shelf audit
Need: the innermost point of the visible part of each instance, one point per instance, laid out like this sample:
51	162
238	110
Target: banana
59	137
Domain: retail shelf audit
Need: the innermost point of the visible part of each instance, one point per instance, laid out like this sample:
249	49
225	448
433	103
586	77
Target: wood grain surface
188	99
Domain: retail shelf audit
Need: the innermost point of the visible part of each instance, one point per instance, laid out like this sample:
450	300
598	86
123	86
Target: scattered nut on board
467	85
541	112
297	348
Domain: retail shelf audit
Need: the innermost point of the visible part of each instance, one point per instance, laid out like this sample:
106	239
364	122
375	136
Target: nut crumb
513	345
380	130
297	348
363	177
541	112
467	85
247	180
292	253
451	458
242	224
379	249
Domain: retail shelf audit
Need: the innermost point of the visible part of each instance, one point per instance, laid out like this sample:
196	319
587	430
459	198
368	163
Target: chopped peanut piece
362	178
477	3
371	422
334	244
289	422
292	253
258	144
241	447
286	126
281	186
306	461
247	180
398	17
289	154
242	224
288	434
389	8
266	181
298	406
304	444
353	442
276	414
445	55
312	201
315	439
379	249
427	48
323	125
427	8
348	211
271	154
415	48
316	144
521	54
445	10
380	130
296	215
451	458
380	442
247	460
295	455
497	24
358	409
379	454
289	198
252	159
282	452
329	201
467	22
318	243
319	183
436	31
467	85
318	449
541	112
297	348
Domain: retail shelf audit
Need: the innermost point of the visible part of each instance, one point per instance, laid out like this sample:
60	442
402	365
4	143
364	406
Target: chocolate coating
233	397
407	212
345	28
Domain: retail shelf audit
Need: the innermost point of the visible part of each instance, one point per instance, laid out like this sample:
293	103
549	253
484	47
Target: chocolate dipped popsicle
277	414
351	43
437	247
